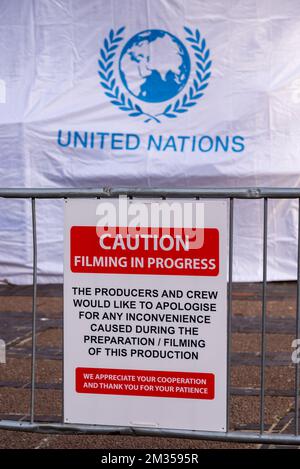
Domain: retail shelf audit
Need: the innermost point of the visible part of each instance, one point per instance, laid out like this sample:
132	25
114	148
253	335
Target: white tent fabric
60	128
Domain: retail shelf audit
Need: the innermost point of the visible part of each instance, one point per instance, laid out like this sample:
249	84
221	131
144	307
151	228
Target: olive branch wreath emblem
189	99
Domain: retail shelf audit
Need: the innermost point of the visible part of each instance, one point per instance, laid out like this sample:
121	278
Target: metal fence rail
261	436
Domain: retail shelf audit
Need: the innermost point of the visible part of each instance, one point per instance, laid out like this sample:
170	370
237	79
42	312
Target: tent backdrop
152	93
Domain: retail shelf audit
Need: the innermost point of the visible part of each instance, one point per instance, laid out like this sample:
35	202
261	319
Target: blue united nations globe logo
154	66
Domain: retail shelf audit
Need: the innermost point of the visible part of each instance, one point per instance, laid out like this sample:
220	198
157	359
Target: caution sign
145	314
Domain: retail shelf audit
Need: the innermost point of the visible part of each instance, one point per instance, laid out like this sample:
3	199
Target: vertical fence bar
229	310
63	330
297	380
263	319
34	301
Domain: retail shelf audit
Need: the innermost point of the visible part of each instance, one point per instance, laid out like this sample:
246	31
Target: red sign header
147	251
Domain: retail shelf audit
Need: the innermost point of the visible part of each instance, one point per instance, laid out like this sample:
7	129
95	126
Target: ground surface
15	329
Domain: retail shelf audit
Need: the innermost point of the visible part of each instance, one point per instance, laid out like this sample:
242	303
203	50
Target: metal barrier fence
237	193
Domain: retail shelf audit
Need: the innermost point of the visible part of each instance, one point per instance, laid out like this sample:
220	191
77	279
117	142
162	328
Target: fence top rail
107	192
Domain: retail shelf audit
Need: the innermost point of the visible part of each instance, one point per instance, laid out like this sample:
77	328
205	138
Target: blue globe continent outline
153	86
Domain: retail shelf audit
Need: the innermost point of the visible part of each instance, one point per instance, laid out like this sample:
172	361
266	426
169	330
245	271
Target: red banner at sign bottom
149	383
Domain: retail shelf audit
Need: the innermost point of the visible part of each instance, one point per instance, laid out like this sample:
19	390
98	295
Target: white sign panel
145	313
